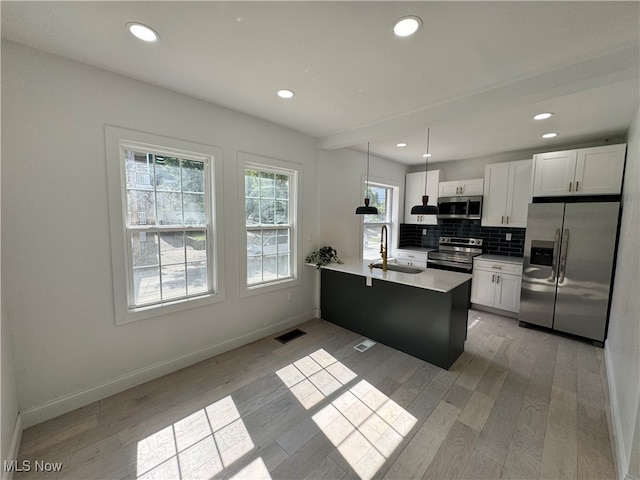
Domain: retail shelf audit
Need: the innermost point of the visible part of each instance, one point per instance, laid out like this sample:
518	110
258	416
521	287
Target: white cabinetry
496	284
461	187
507	193
411	258
586	171
413	192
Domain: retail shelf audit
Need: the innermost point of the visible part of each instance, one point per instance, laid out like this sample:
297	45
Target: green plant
323	256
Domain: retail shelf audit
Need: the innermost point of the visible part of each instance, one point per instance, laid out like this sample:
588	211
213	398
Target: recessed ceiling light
549	135
426	155
285	93
401	145
543	116
405	26
143	32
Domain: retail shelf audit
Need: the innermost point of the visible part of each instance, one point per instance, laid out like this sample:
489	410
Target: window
381	197
164	240
269	220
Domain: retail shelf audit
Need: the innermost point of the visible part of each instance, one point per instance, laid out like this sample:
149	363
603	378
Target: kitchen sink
397	268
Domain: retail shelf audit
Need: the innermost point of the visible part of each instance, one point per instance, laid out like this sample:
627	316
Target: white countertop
431	279
501	258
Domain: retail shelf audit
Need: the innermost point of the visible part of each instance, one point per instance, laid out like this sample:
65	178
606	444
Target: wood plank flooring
518	403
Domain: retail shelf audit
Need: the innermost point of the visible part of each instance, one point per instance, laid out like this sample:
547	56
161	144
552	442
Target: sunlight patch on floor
198	446
364	424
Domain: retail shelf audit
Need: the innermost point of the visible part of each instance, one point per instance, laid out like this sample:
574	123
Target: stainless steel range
455	254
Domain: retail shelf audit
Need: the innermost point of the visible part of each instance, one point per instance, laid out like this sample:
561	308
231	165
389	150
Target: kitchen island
423	314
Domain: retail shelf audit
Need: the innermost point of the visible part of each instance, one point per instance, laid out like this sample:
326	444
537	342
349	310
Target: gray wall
622	348
56	257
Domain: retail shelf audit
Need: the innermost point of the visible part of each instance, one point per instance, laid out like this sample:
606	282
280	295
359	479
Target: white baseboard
618	449
67	403
12	454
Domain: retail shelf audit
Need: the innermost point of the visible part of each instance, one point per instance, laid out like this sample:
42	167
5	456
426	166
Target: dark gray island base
427	324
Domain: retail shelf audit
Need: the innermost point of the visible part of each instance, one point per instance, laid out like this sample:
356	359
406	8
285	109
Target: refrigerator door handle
554	264
563	255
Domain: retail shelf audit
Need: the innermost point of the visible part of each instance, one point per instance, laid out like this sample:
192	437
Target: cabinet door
496	182
553	173
449	189
471	187
413	191
507	292
518	193
433	182
599	170
483	287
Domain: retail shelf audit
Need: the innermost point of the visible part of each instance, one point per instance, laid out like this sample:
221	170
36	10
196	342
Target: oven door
450	266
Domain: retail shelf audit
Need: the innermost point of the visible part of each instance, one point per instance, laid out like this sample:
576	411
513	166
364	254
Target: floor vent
365	345
293	334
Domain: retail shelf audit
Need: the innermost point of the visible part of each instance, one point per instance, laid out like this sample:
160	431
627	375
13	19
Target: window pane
283	241
146	285
197	246
167	173
169	208
282	187
140	207
173	281
269	242
139	170
254	243
269	267
372	237
380	197
144	249
197	278
192	176
283	265
267	208
252	183
267	187
282	212
254	270
252	206
172	248
194	209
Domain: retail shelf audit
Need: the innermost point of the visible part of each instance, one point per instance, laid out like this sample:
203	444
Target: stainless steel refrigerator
568	266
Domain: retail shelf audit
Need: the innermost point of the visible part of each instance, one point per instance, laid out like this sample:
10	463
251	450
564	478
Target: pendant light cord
366	188
426	168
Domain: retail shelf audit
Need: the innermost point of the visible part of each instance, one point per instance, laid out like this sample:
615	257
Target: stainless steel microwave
469	208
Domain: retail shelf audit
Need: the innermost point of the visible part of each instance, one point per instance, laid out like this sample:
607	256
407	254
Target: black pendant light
425	209
367	209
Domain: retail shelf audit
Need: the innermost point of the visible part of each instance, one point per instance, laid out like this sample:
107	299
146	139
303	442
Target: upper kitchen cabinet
586	171
413	192
507	192
461	187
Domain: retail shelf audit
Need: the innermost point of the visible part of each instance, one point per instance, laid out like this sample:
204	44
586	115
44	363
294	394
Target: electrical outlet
289	296
424	231
508	237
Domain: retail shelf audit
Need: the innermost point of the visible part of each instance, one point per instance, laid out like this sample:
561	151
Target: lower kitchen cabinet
411	258
496	284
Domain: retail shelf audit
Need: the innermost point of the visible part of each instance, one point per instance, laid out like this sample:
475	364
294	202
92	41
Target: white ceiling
474	74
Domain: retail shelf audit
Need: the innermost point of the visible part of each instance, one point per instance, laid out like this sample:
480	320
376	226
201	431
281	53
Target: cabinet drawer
497	266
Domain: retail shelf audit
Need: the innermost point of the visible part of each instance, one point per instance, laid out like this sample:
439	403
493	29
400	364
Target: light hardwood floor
518	403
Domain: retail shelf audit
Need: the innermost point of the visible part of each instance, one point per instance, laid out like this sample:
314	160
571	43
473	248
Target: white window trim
115	139
248	160
395	213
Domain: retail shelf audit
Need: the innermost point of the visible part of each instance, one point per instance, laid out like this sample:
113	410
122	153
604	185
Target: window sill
142	313
269	287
